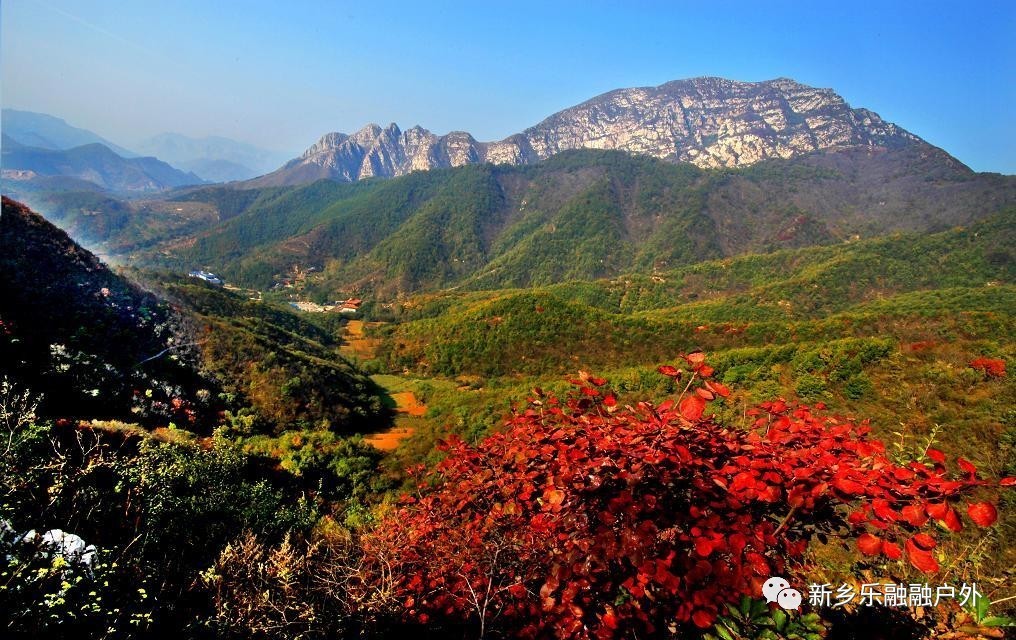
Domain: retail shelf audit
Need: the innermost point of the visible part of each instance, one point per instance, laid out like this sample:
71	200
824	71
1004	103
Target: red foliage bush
923	345
992	367
587	519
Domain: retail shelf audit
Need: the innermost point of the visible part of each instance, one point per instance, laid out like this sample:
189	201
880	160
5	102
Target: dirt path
407	405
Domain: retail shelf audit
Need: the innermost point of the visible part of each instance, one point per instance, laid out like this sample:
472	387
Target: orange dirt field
356	344
407	404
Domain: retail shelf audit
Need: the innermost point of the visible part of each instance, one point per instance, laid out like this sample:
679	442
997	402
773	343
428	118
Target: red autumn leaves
922	496
693	405
992	367
900	500
869	544
983	514
589	386
921	557
578	522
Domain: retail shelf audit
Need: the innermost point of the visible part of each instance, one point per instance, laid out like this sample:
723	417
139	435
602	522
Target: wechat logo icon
778	590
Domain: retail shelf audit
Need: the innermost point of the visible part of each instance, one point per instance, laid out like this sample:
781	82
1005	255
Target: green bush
858	386
810	387
158	513
342	468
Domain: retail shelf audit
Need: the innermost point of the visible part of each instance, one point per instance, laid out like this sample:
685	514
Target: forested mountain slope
579	215
96	345
916	284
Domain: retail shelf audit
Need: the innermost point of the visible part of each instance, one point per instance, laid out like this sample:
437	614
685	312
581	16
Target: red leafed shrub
992	367
588	519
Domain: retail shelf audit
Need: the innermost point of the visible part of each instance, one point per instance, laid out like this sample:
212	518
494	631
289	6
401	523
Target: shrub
158	513
48	594
858	386
585	519
810	387
340	467
291	590
992	367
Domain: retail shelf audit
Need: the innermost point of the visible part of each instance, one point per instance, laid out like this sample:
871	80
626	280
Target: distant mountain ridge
48	132
95	163
213	158
709	122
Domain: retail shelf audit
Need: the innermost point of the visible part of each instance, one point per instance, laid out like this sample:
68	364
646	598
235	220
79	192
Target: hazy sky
281	73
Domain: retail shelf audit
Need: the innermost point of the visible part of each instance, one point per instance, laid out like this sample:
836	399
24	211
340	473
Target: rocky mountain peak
707	121
325	143
366	135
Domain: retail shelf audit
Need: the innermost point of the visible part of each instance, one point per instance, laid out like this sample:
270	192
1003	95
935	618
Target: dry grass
355	343
407	404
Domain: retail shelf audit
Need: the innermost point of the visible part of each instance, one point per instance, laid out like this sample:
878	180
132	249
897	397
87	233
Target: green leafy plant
754	619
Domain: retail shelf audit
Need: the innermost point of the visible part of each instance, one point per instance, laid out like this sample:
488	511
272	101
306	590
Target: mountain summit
710	122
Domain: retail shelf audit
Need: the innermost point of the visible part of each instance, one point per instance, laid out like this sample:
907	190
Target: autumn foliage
992	367
586	518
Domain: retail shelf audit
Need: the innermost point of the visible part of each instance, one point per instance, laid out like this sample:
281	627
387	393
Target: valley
614	371
407	406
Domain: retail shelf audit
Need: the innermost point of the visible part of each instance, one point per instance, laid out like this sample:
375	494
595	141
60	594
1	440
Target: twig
167	350
786	519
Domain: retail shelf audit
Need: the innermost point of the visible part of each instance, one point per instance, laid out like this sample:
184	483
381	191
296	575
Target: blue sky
279	74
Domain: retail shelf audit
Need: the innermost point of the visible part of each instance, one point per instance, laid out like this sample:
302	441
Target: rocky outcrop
710	122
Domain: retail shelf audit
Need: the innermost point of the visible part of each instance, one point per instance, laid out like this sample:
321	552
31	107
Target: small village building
208	277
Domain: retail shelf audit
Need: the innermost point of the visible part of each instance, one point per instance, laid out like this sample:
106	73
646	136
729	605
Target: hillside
96	345
883	328
163	432
709	122
579	215
109	223
284	368
94	163
802	295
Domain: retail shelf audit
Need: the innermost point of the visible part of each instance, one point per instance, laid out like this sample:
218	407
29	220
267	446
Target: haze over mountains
710	122
47	132
214	158
210	159
92	163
